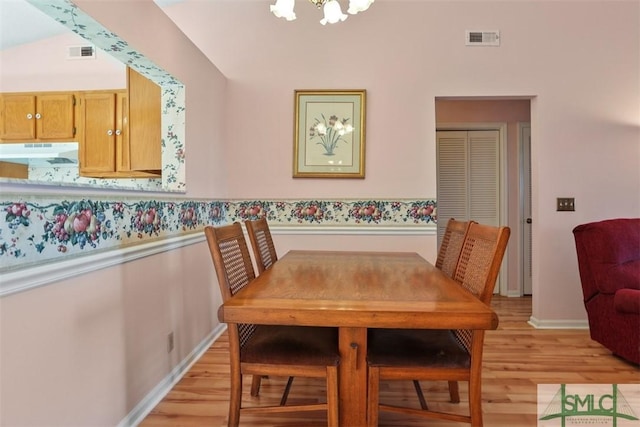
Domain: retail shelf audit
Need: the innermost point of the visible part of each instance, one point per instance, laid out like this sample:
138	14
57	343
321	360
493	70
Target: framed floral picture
329	134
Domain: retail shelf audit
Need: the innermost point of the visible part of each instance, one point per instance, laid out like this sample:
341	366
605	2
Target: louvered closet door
468	177
452	178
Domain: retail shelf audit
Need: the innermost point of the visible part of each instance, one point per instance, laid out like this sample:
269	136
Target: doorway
471	178
511	117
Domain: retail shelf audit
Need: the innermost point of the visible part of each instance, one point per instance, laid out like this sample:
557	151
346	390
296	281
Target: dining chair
265	255
447	261
264	349
262	243
451	246
451	355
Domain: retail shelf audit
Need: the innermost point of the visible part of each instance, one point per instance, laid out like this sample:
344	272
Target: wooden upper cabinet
120	131
18	117
145	140
99	131
34	116
56	119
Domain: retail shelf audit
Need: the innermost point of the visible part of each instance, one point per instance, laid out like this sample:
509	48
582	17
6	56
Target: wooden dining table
354	291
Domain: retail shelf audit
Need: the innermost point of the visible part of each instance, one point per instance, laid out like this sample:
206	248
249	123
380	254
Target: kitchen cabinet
42	116
120	131
144	145
102	119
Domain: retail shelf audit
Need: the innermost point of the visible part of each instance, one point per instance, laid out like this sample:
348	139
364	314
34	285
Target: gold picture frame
329	139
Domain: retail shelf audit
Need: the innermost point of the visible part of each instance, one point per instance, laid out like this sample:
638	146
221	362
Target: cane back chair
263	350
451	246
451	355
265	255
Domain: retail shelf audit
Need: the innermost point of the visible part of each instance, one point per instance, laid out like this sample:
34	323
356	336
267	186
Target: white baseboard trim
514	293
146	405
46	273
558	324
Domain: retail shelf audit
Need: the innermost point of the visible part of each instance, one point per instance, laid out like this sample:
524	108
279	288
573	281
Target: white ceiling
21	22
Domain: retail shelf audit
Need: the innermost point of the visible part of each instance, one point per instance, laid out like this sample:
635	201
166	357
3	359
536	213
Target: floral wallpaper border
36	229
173	101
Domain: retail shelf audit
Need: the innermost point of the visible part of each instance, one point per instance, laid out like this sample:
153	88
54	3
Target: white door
469	171
468	177
452	154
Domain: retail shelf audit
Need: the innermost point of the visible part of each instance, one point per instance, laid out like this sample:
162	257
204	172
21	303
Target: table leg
352	377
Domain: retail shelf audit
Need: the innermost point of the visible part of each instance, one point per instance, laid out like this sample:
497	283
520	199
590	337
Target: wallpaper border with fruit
37	229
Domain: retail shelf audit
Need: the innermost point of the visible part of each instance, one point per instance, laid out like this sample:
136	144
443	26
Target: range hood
52	153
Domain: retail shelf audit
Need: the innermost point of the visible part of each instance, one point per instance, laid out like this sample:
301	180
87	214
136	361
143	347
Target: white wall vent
81	52
482	38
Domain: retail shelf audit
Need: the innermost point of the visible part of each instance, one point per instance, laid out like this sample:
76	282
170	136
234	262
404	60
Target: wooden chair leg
454	393
475	402
333	419
423	403
373	399
235	399
255	385
285	394
475	379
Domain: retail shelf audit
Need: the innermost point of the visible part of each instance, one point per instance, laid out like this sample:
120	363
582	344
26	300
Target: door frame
523	156
501	127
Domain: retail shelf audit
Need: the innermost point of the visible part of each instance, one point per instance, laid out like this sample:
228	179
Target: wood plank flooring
517	357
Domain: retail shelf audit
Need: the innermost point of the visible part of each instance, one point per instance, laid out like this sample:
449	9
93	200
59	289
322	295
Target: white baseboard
558	324
514	293
146	405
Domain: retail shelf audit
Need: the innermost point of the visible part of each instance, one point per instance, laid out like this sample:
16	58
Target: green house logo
582	407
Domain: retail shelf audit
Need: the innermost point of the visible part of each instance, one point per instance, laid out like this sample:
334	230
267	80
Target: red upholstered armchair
609	263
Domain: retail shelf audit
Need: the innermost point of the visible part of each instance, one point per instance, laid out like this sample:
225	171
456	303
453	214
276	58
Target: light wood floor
517	357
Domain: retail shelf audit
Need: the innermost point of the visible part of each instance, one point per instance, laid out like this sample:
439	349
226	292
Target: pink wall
206	88
585	115
87	350
585	109
43	66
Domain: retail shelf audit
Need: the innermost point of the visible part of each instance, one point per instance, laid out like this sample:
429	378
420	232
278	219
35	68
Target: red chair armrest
627	301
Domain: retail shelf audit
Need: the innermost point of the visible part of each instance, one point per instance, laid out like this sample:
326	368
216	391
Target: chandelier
332	11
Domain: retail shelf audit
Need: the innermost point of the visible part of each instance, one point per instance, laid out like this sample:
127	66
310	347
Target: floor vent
482	38
81	52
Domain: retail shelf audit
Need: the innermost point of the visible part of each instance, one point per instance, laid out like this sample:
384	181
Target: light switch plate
566	204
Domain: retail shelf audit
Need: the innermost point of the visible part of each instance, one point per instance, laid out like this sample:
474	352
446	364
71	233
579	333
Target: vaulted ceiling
21	22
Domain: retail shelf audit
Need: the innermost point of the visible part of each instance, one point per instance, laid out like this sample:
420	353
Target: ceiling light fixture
332	11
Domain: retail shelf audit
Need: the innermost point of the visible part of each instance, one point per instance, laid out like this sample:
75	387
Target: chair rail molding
46	273
50	232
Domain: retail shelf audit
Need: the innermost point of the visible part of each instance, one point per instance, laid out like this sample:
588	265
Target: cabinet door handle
109	132
29	116
118	132
38	116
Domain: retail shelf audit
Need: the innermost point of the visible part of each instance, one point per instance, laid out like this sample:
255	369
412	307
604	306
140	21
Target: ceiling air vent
482	38
81	52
